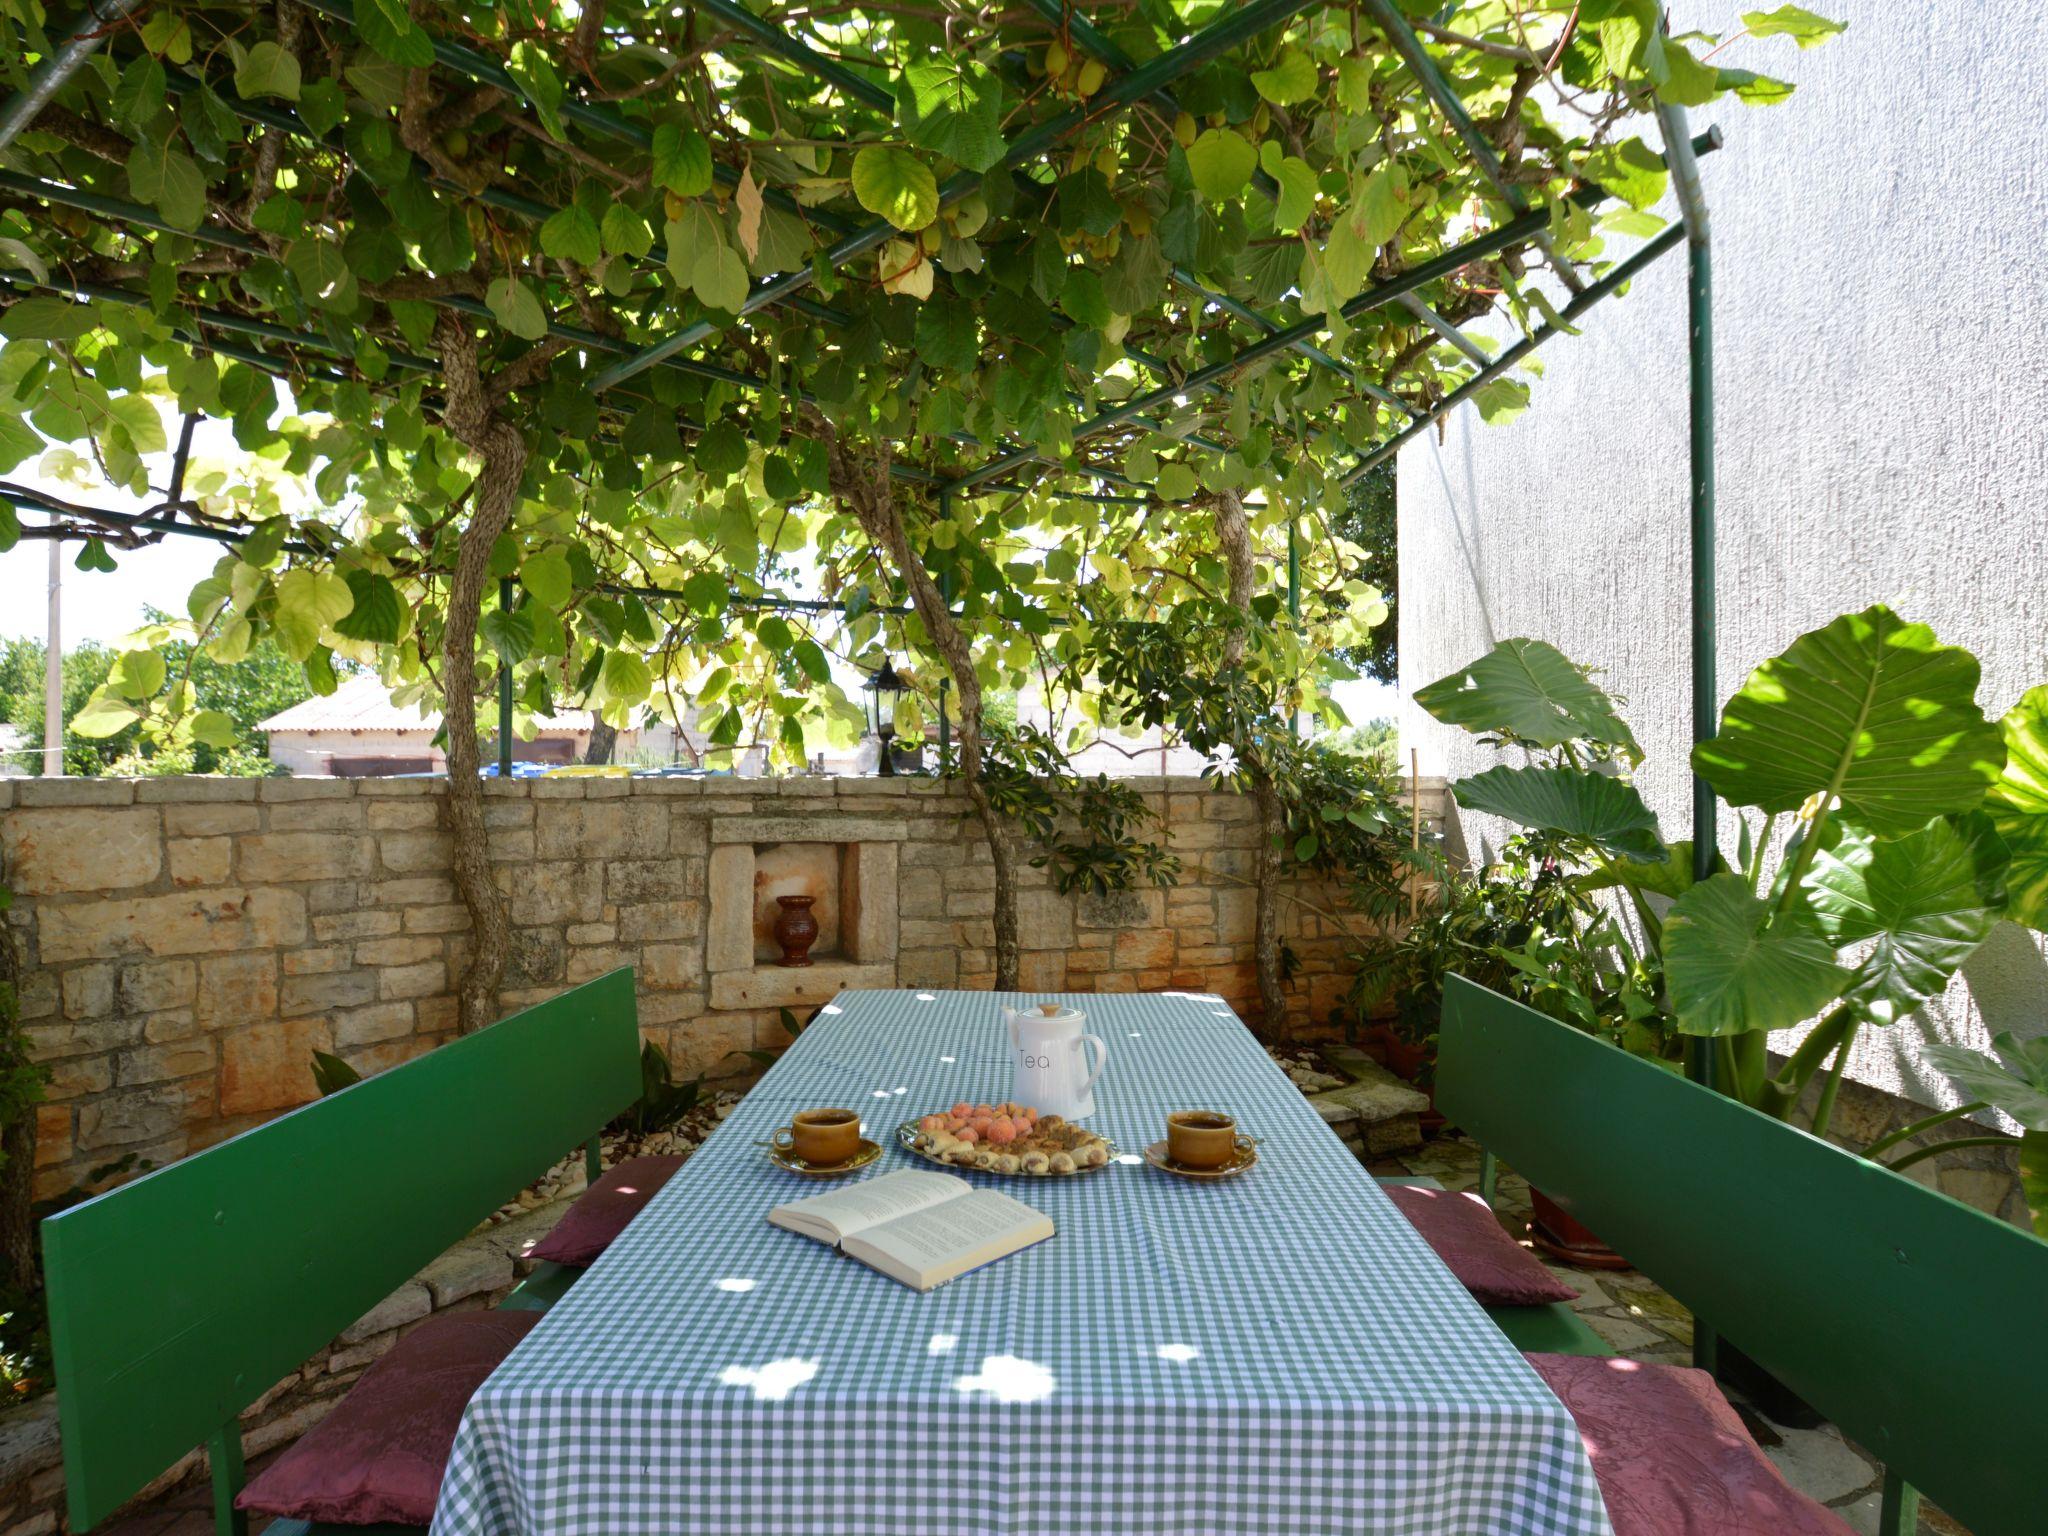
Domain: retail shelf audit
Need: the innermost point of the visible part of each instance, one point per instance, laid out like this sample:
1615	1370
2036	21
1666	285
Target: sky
105	605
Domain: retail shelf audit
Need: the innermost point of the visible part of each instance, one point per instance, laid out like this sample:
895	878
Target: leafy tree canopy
680	251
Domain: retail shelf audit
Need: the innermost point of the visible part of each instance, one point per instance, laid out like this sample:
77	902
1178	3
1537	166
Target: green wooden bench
1917	1324
179	1299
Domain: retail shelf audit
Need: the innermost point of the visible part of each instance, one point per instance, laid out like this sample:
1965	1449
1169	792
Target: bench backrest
1917	1324
180	1298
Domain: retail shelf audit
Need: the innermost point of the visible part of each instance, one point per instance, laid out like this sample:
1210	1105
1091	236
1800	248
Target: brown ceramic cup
823	1137
1200	1138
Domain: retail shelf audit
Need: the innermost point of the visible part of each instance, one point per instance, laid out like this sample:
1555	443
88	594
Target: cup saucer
789	1162
1242	1158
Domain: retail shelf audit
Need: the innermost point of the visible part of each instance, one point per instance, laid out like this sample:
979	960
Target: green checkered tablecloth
1277	1352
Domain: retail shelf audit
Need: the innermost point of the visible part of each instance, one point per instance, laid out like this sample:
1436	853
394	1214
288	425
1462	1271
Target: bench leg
593	1162
224	1457
1489	1175
1900	1515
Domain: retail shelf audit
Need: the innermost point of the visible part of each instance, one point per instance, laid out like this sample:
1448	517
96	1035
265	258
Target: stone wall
190	942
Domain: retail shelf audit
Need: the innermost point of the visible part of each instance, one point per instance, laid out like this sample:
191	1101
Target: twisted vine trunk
472	416
865	487
1233	533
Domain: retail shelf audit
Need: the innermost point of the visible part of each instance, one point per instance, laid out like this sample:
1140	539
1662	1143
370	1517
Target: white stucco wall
1881	268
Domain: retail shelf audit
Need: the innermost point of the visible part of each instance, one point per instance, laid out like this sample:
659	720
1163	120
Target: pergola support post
1699	304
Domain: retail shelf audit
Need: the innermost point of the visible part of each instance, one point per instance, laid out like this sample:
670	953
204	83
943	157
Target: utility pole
53	667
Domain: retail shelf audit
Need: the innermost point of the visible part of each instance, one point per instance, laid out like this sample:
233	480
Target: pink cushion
602	1211
380	1454
1491	1265
1672	1458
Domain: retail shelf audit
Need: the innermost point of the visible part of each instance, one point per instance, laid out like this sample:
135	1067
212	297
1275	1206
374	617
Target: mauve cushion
1491	1265
380	1454
1672	1458
602	1211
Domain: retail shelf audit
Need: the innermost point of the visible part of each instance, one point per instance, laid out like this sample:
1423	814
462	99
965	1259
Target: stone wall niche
848	863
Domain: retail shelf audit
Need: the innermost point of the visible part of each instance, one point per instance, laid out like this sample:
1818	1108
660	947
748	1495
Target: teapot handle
1101	1060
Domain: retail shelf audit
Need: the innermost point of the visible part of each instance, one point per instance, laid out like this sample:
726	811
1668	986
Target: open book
920	1228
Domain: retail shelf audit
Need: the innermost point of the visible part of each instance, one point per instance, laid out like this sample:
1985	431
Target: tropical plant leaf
1596	807
2018	1085
2034	1178
1920	897
1732	968
1672	877
1532	692
2018	805
1868	708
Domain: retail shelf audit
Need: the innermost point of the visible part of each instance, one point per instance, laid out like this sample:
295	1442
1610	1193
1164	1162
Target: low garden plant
1884	827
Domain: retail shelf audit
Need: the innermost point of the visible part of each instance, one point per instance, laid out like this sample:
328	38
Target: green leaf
812	661
1175	482
213	728
1595	807
570	234
509	633
895	184
1869	708
626	678
682	160
307	602
139	418
2020	1089
1221	162
529	66
720	279
267	70
136	674
1501	400
93	556
388	28
947	336
1920	898
517	307
1803	27
1292	79
722	450
376	615
47	319
141	92
10	527
2018	804
1731	969
104	716
323	274
1532	692
953	107
547	576
169	181
2034	1178
1297	183
1671	877
624	232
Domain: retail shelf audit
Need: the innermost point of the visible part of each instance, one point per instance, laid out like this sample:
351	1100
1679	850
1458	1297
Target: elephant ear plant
1912	825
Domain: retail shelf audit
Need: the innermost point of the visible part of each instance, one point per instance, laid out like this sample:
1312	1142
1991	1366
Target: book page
931	1246
834	1217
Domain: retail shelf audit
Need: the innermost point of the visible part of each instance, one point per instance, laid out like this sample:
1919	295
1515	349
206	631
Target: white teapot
1047	1041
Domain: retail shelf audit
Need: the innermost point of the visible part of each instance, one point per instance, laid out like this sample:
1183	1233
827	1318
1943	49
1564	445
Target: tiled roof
362	704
